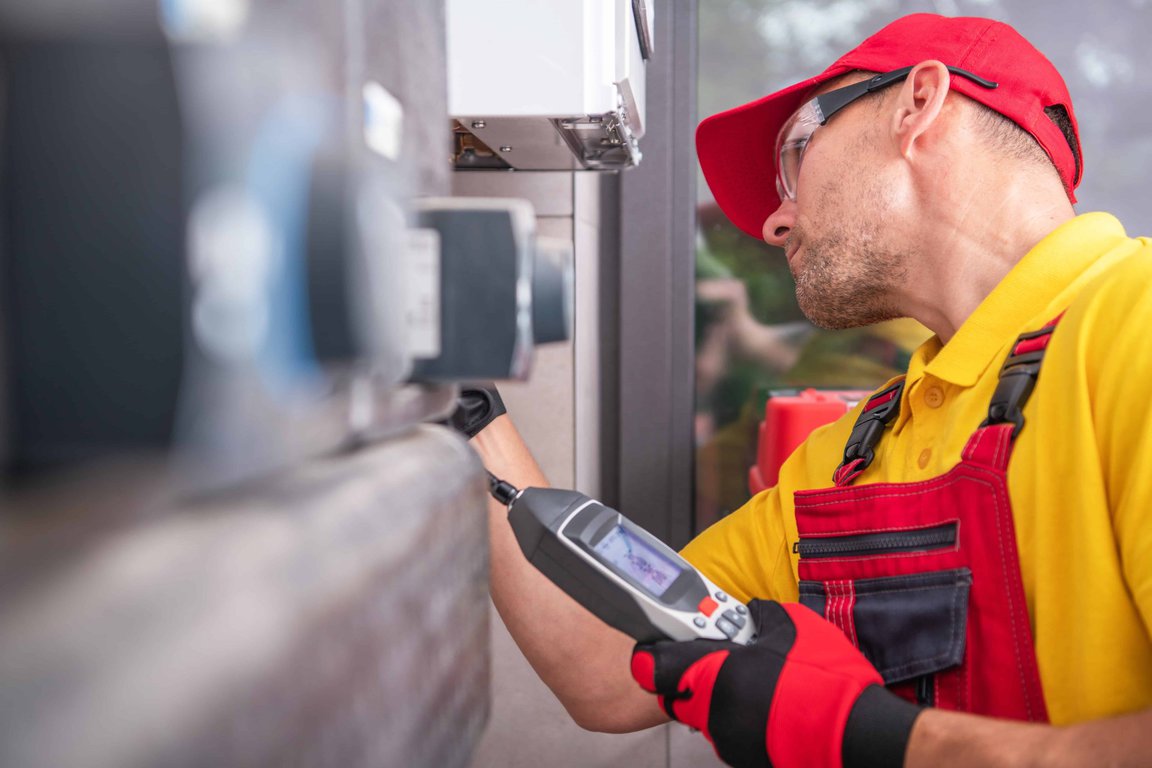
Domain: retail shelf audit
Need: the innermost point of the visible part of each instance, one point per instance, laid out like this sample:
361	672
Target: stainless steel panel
588	342
550	192
524	143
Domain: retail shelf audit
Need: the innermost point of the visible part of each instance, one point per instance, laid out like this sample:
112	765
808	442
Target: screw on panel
478	124
505	148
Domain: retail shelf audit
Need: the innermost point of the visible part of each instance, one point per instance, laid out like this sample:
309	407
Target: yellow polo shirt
1080	478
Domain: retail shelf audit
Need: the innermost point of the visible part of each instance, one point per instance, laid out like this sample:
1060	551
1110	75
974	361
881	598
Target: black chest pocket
907	626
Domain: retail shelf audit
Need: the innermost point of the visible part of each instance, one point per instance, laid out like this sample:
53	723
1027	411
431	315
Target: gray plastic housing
559	530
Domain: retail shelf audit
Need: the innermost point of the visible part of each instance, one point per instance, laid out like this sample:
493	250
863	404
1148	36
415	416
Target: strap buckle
881	408
1018	378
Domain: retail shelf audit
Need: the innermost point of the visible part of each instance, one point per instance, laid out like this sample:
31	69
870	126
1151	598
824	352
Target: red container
789	417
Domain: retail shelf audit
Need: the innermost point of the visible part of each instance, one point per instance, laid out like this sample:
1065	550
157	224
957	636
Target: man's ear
919	103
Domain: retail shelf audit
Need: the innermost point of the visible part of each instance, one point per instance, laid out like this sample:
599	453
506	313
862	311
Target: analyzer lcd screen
639	561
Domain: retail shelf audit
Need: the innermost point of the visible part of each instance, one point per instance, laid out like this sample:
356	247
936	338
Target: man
987	545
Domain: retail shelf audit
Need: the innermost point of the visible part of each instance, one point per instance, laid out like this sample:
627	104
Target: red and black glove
801	695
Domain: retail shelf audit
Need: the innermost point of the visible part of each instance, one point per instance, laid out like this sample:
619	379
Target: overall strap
1018	377
991	444
878	412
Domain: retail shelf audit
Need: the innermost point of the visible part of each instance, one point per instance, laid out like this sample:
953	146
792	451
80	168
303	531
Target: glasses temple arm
832	102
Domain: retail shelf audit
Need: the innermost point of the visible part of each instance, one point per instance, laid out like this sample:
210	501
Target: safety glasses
794	136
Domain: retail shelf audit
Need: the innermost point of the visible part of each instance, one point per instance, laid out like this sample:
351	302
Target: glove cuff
476	407
878	729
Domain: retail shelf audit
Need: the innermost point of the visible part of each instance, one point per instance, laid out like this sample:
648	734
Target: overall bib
924	577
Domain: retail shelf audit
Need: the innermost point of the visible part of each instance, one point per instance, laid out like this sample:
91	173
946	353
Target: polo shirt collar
1037	280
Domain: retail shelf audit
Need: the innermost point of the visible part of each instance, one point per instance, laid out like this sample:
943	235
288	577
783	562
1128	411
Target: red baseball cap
737	147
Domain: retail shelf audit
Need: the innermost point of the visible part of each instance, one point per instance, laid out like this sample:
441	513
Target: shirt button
934	397
925	456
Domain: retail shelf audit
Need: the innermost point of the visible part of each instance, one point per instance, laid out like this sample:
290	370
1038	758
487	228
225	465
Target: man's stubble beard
847	277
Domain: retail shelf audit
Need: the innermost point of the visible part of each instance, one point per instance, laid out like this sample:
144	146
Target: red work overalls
924	577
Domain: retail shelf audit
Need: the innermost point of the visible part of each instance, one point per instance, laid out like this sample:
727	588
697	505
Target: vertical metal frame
656	269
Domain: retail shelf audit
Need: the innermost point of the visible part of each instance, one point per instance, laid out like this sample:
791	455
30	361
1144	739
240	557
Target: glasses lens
790	147
789	166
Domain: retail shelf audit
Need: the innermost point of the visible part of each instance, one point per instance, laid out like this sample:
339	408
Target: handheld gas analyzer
620	572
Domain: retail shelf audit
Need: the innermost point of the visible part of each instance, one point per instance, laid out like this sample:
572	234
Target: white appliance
547	84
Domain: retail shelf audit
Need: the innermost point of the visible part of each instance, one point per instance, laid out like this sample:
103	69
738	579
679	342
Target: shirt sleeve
746	553
1120	382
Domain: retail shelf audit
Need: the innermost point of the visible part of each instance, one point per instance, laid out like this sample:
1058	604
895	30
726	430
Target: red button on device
707	606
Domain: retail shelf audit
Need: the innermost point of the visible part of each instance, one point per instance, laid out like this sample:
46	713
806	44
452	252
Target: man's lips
790	251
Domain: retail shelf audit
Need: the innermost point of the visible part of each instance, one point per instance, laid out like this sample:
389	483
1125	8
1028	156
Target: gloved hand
478	404
801	695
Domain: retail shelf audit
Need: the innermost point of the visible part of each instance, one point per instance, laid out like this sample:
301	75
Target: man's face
842	255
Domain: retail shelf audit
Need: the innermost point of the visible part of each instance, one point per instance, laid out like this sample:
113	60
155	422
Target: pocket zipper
887	542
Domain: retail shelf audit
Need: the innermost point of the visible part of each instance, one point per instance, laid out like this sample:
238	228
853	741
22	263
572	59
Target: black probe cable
501	490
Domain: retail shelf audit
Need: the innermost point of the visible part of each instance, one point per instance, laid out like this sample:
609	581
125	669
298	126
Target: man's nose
779	223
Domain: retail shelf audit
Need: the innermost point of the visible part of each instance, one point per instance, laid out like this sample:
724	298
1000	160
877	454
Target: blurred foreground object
225	538
334	616
502	289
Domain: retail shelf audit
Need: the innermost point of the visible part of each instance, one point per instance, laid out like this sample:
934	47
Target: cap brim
737	151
